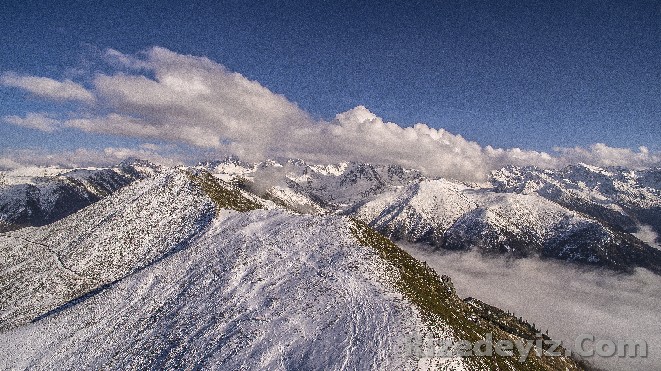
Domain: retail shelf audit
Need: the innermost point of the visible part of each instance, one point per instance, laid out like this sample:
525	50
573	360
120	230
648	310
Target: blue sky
508	74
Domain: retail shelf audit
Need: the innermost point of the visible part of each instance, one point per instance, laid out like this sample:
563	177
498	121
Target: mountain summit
274	265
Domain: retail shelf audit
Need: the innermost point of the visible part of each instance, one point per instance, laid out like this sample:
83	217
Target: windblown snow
277	265
149	278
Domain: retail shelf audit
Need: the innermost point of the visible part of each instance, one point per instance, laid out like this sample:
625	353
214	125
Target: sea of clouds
565	299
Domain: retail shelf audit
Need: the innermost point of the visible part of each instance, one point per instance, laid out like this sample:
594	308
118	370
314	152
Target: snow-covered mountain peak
36	198
163	266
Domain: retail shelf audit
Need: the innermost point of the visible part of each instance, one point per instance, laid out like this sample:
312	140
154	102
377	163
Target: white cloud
163	95
33	120
567	300
600	154
360	135
647	234
85	157
48	88
198	101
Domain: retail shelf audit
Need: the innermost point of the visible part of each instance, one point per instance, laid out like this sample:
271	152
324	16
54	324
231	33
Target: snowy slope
454	216
163	274
425	211
418	211
33	197
629	200
253	292
43	268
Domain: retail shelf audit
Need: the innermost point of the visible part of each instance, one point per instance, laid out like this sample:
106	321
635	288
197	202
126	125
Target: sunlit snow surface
152	276
265	289
45	267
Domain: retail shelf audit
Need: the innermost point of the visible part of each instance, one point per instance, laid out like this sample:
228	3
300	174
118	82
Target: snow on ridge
331	169
31	175
39	200
164	272
99	244
255	289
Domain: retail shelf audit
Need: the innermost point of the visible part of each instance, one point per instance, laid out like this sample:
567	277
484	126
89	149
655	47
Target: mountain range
290	265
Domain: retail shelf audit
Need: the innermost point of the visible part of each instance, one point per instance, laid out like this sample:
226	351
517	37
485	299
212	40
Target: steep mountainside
456	217
625	199
513	216
47	267
40	199
183	270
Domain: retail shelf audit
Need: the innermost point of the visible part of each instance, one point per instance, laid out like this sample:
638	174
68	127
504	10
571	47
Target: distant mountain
626	200
182	269
581	214
455	217
35	199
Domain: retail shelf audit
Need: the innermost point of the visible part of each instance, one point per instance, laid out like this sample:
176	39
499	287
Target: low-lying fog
565	299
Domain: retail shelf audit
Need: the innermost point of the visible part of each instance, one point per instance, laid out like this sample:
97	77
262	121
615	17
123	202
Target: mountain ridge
580	213
219	289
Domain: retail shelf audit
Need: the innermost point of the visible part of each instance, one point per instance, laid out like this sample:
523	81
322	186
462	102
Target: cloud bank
567	300
169	155
159	94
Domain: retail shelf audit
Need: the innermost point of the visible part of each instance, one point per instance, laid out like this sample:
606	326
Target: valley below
566	300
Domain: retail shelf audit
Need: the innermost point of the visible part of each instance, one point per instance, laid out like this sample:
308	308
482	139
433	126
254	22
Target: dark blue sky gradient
529	74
